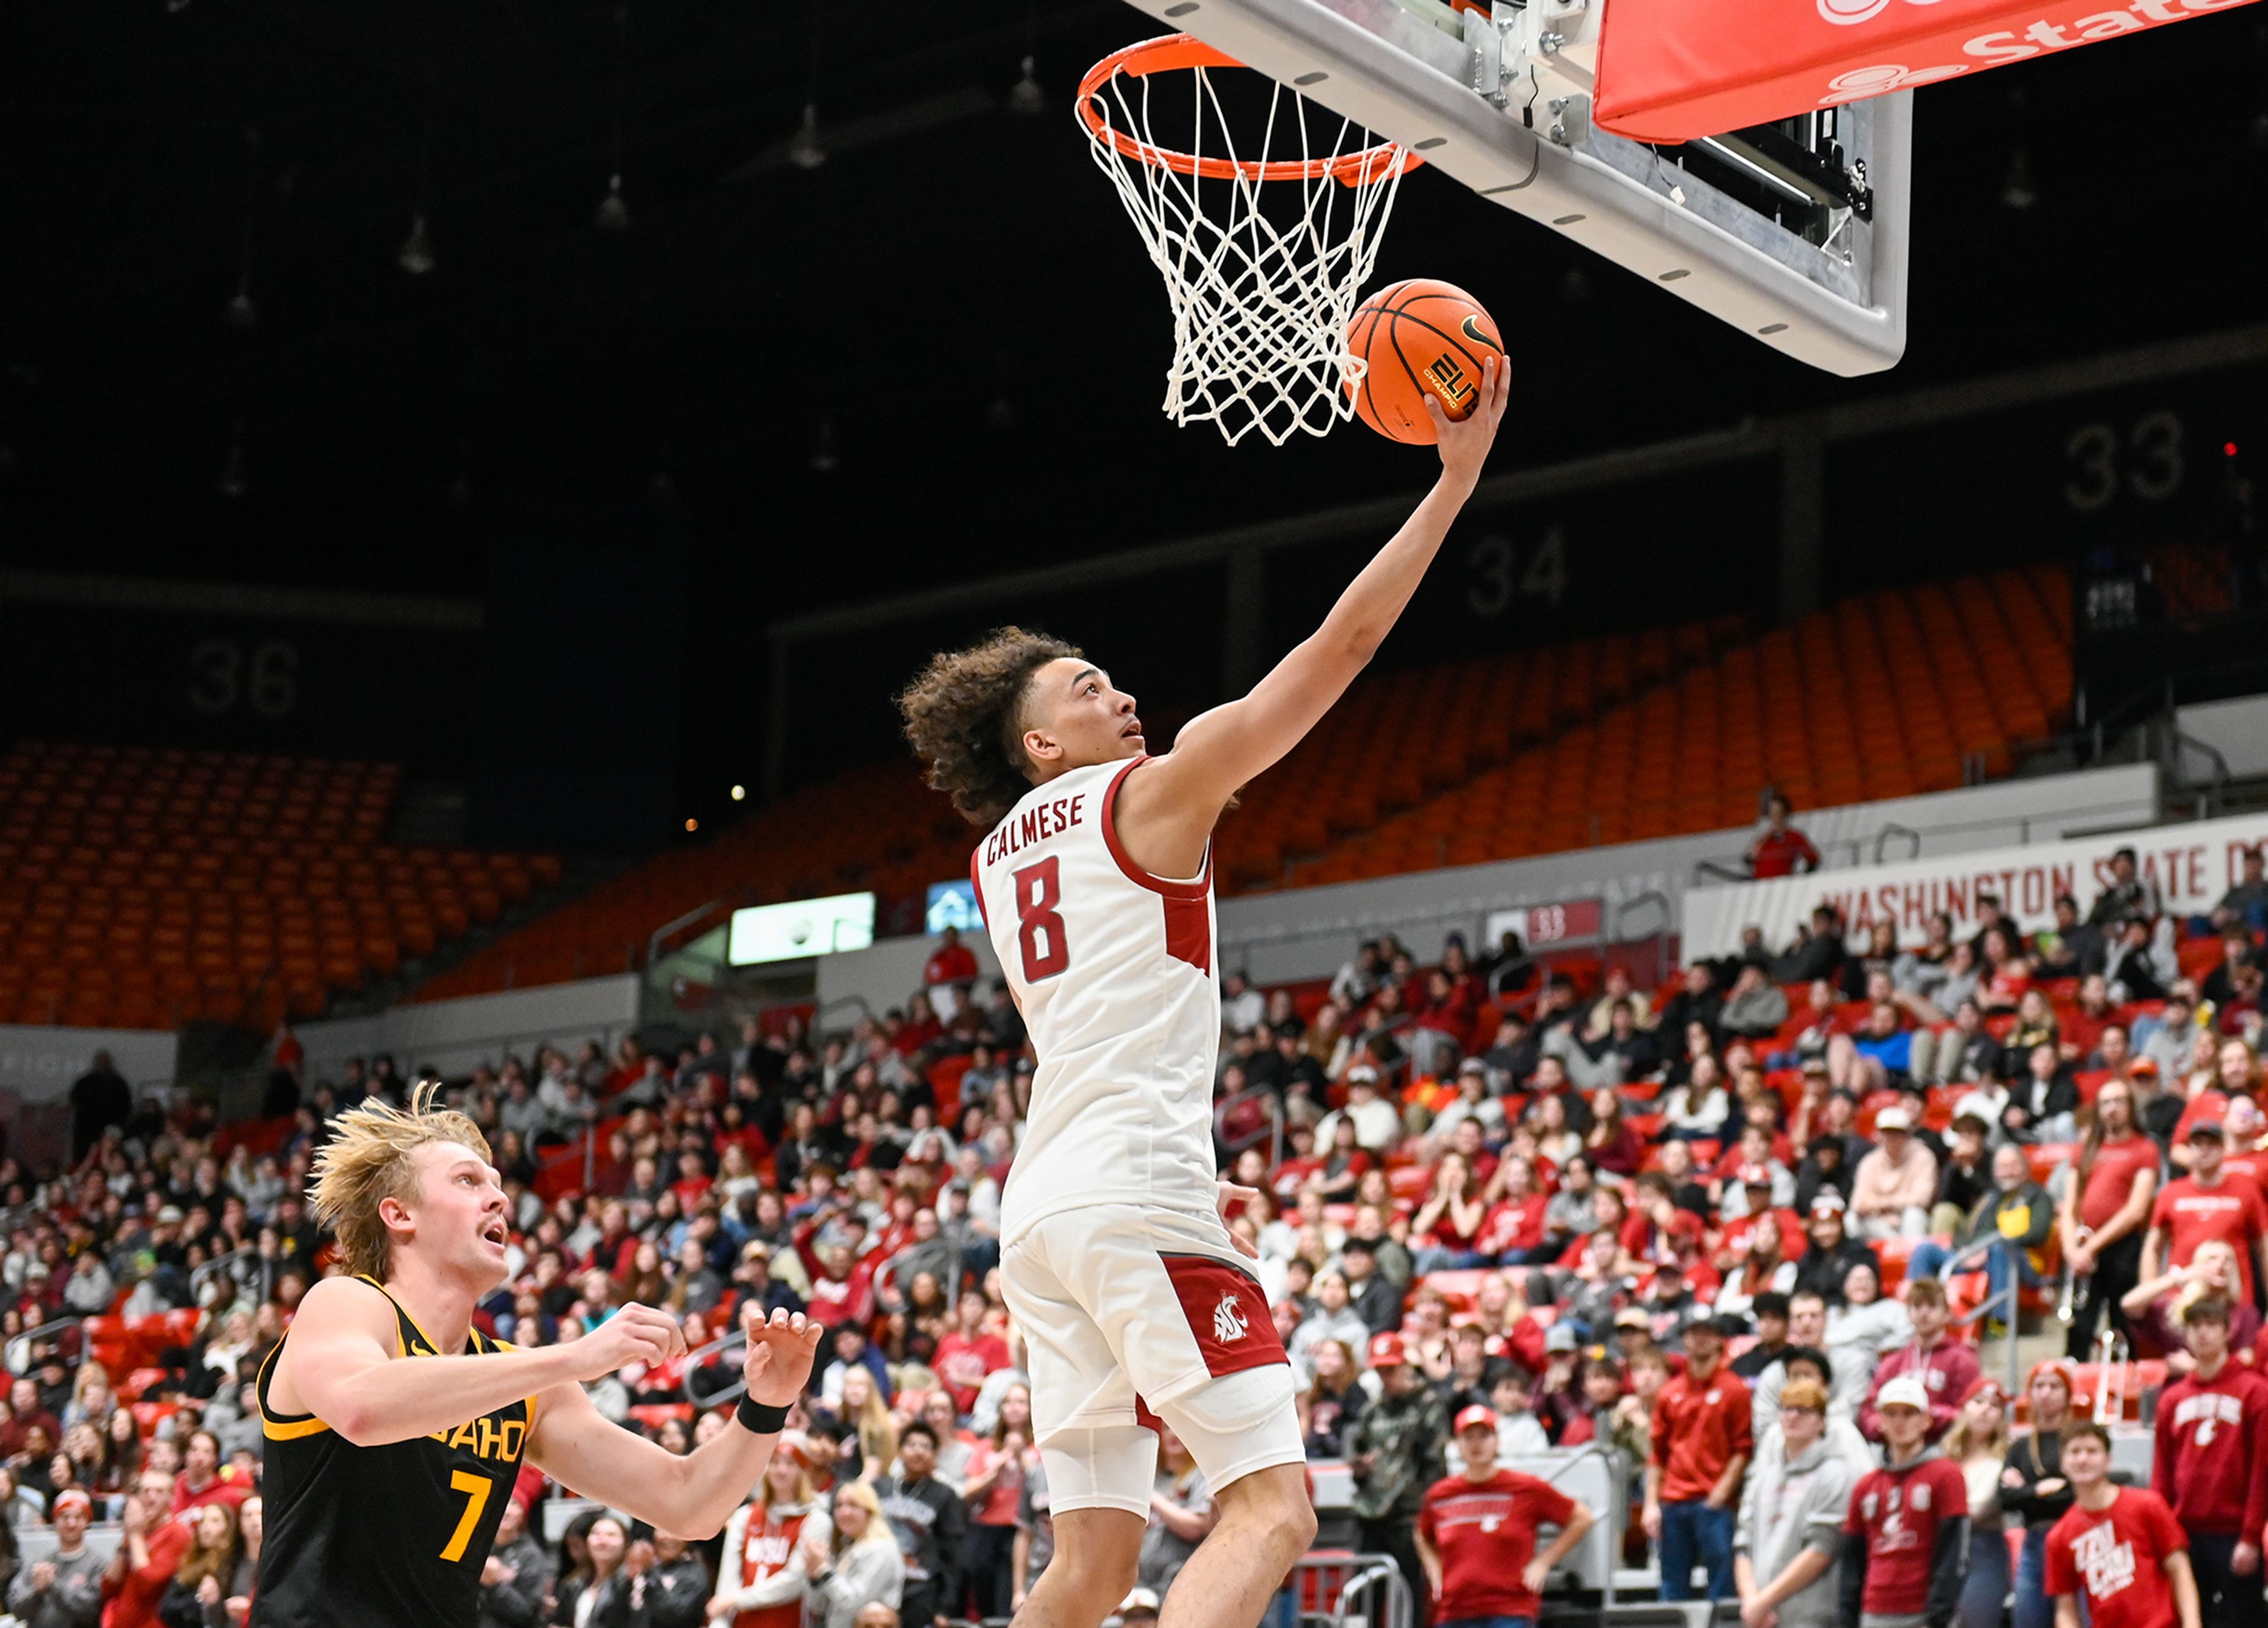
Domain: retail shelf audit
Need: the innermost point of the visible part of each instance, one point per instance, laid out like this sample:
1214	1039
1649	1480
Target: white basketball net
1263	257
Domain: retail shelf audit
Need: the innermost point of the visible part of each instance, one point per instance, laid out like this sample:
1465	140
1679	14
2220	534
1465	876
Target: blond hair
370	1157
877	1529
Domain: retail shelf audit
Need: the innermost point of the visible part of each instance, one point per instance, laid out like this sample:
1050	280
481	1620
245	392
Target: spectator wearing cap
1828	1258
2032	1485
2211	1465
1477	1534
1965	1177
1790	1531
1395	1451
1377	1126
1702	1444
1906	1554
1892	1189
65	1589
2209	1201
2016	1211
1945	1369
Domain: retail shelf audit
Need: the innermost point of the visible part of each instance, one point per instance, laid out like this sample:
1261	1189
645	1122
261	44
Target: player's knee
1100	1580
1273	1505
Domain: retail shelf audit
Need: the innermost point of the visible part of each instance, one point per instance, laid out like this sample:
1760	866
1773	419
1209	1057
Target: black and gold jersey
391	1536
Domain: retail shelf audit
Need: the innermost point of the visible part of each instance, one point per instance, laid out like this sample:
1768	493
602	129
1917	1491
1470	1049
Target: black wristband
759	1420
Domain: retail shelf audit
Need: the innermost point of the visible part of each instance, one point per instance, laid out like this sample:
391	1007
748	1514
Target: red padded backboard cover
1672	70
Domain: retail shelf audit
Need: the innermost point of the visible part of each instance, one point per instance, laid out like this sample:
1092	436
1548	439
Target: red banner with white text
1672	69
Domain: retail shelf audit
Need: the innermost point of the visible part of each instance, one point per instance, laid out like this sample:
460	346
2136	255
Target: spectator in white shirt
1377	1126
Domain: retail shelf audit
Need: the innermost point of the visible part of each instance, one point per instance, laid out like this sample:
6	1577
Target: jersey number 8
1039	927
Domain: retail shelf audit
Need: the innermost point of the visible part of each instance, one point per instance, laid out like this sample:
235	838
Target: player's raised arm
692	1496
338	1365
1169	809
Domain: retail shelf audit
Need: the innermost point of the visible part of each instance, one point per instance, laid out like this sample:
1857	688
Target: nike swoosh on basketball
1471	329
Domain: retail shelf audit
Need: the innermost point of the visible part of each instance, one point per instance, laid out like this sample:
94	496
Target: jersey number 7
477	1488
1039	927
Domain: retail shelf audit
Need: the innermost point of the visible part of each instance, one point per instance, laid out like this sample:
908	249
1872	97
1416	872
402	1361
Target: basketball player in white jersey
1096	887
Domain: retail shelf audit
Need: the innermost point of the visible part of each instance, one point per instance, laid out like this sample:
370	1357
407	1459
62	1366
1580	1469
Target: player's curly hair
964	718
369	1160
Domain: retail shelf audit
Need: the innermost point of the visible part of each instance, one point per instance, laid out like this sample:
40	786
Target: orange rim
1170	52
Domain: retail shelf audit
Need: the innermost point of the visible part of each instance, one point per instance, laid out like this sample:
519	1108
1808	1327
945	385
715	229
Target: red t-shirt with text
1485	1532
1896	1513
2117	1558
2231	1210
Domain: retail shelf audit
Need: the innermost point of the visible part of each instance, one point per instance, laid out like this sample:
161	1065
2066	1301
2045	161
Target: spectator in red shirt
1476	1534
2120	1546
1945	1369
1779	849
967	1355
2210	1202
2103	1211
1701	1445
201	1482
2212	1466
951	966
1909	1523
149	1551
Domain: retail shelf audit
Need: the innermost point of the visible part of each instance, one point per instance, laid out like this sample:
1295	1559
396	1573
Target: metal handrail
2217	790
18	1354
653	940
203	1275
1711	869
1653	896
1401	1608
2013	1295
1273	1130
698	1361
1891	828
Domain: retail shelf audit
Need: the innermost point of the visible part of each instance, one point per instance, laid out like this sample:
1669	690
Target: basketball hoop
1263	256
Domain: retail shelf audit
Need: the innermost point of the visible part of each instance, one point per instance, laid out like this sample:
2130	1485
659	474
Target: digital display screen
842	920
952	904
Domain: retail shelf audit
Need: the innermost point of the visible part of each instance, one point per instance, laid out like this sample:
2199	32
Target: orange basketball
1421	338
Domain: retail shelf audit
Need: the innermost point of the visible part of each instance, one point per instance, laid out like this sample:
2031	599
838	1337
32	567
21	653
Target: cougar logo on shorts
1228	1323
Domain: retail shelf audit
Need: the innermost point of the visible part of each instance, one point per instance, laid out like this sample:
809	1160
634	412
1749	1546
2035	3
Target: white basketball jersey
1114	970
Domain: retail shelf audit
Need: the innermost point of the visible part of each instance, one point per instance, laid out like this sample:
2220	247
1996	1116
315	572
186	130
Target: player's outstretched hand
779	1355
1465	442
634	1334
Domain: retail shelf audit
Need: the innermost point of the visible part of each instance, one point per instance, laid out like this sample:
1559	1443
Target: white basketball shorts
1132	1316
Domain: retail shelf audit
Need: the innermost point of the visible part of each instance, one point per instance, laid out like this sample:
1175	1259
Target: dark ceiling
955	296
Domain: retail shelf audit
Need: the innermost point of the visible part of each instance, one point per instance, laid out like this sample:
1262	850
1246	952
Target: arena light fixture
739	793
1024	96
232	483
614	212
805	150
416	255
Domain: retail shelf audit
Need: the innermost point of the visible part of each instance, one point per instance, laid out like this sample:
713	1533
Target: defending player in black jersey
395	1429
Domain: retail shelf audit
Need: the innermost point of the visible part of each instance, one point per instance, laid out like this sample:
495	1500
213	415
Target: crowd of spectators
1487	1183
